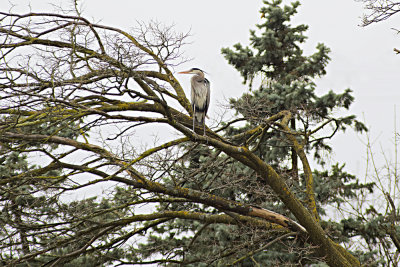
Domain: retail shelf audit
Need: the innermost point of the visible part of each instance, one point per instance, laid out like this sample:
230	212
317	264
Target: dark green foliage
277	53
337	186
276	56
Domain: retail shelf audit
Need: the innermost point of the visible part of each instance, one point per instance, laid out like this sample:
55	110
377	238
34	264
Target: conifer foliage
288	78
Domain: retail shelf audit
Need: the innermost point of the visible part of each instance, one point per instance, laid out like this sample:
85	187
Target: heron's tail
199	117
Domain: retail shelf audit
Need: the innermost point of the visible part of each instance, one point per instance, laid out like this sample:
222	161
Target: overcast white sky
362	58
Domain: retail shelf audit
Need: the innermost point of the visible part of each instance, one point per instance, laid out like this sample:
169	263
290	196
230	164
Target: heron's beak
184	72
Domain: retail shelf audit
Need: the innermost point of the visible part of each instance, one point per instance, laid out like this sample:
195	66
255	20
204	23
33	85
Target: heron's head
193	71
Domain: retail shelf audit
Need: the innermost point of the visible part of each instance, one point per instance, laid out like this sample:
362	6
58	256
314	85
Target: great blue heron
200	96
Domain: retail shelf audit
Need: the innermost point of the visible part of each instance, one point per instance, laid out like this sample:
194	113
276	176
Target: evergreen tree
288	83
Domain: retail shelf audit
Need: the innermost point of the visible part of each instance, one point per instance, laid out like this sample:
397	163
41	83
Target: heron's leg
204	126
204	123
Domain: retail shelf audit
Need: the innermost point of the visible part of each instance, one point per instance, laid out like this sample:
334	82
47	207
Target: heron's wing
200	94
207	85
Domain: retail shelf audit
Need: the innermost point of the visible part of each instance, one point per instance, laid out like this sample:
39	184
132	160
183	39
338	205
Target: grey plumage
200	96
